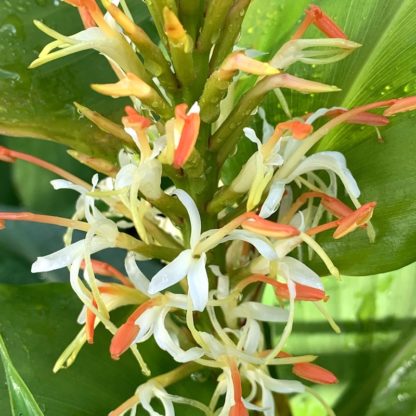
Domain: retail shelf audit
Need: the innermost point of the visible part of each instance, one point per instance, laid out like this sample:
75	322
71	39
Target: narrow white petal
262	244
64	184
146	323
260	312
272	202
252	136
292	269
139	280
166	342
282	386
125	176
198	283
320	113
193	213
59	259
172	273
332	161
253	337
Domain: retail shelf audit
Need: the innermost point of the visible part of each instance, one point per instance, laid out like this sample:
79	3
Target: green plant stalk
213	23
224	198
229	33
214	91
190	14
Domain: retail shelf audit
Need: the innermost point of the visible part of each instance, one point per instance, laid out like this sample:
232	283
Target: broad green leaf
39	103
38	322
22	401
385	173
377	318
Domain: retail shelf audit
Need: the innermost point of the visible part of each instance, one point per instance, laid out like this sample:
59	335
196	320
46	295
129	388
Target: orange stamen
189	135
401	105
311	372
315	16
238	409
91	14
303	292
127	332
268	228
90	324
47	219
366	118
9	155
139	124
299	129
104	269
356	219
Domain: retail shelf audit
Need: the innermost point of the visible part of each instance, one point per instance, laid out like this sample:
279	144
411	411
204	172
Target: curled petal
198	283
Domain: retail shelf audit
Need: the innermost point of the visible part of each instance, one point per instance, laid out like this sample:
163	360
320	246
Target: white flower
191	263
153	319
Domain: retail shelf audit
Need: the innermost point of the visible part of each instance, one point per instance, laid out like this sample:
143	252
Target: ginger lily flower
149	320
103	38
191	263
329	161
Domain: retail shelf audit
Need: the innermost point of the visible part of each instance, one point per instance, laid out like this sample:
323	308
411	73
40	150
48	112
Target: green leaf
39	321
22	401
39	103
385	174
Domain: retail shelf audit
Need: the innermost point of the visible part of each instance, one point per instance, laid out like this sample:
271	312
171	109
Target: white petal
320	113
260	312
272	202
125	176
59	259
146	392
252	136
82	317
292	269
139	280
166	342
253	338
282	386
198	283
195	109
149	176
146	323
332	161
172	273
64	184
243	181
262	244
193	213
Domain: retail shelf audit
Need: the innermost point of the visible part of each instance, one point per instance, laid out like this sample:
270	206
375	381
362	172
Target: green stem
213	23
190	14
229	33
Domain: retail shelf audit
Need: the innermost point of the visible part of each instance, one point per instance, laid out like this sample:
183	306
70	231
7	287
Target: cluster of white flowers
204	306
